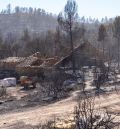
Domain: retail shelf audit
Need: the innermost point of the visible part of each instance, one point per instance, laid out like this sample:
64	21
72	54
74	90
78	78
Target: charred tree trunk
103	50
118	52
72	46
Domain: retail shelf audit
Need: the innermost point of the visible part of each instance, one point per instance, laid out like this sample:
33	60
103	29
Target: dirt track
61	109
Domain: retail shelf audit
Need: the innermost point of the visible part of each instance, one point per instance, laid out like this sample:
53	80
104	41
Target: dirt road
59	109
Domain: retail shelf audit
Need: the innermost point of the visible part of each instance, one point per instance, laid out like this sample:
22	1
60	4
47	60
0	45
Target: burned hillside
59	71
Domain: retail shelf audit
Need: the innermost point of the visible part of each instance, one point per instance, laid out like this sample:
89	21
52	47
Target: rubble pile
36	64
84	55
10	63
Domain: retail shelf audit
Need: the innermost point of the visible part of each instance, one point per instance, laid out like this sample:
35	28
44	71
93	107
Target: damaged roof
83	53
36	60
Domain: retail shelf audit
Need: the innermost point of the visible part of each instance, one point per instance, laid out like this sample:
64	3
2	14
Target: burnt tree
66	20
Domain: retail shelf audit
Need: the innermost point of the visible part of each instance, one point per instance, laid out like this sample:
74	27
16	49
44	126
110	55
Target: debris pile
84	55
36	64
10	63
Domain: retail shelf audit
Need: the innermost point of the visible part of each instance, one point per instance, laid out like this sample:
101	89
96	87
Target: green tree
66	20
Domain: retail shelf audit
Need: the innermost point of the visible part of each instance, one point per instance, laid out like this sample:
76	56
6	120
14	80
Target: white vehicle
8	82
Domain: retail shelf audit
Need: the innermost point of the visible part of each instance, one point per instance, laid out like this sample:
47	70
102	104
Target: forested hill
19	19
20	32
15	21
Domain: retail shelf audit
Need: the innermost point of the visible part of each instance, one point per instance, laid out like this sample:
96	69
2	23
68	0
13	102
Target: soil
59	109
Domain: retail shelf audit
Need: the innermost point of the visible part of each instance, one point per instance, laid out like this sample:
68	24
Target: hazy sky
94	8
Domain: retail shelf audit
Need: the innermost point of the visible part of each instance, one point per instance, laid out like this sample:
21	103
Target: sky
93	8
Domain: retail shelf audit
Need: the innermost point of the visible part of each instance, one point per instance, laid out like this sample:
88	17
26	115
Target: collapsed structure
36	64
85	55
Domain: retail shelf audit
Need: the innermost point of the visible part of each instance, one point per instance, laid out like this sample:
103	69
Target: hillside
17	23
